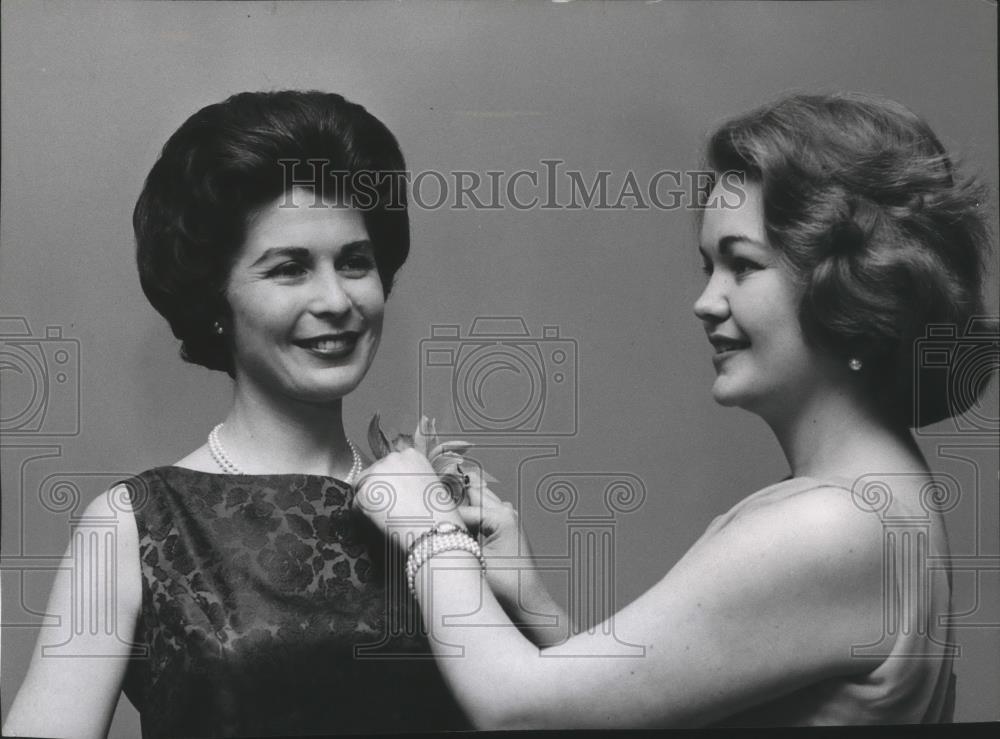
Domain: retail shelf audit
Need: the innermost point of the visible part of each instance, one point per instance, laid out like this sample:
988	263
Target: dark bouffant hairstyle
231	158
862	200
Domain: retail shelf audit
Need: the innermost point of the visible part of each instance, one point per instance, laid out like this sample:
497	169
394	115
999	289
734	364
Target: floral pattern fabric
269	607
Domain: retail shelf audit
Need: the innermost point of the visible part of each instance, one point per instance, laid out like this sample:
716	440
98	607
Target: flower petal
457	447
432	434
420	436
446	463
377	439
455	485
402	442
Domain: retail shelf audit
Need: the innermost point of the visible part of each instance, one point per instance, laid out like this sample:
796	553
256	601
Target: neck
263	434
838	434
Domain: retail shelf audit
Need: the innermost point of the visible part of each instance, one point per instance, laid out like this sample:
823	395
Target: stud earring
217	326
855	364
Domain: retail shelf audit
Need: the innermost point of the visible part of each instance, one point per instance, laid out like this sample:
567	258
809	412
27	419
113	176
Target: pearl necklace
218	453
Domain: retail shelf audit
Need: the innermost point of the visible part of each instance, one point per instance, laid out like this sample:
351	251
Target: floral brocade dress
269	607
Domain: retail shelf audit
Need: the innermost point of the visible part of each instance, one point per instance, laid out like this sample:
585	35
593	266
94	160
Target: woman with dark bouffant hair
852	239
269	232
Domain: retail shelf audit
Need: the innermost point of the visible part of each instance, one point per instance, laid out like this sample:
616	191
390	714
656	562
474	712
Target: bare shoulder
825	506
107	532
823	525
115	507
200	460
816	542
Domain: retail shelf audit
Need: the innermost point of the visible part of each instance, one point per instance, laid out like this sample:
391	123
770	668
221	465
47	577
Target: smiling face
306	301
750	311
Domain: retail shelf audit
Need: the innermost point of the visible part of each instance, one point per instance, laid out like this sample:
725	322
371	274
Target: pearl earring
855	364
218	328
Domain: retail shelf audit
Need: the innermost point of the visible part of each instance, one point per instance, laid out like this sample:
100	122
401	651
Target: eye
287	269
357	264
743	266
706	266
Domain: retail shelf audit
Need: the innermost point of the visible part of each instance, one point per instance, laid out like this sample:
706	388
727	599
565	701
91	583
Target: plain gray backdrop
92	90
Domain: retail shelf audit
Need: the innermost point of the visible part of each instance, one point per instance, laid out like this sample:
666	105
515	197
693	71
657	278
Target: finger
482	496
489	498
488	517
360	499
492	497
367	477
472	516
471	474
485	522
474	491
476	474
361	482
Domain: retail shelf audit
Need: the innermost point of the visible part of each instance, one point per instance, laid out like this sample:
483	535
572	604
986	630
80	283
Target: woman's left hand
402	494
501	537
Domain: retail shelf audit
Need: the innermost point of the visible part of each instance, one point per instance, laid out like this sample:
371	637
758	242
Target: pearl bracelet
444	537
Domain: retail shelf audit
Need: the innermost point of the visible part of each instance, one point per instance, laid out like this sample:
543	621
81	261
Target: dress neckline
246	475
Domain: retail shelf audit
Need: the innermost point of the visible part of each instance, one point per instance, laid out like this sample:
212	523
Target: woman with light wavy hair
853	236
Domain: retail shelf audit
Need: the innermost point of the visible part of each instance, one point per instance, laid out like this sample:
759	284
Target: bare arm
771	603
76	671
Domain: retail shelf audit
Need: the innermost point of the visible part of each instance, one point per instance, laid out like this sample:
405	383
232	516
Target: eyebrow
301	252
726	243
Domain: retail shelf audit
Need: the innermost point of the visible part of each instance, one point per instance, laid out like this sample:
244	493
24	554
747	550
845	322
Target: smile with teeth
330	344
728	345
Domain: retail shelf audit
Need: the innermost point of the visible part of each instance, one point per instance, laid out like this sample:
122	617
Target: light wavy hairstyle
865	205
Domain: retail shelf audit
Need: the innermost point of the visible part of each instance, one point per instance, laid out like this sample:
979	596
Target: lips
330	345
725	344
725	347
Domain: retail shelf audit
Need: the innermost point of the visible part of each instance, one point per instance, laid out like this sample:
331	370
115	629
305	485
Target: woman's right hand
402	494
500	535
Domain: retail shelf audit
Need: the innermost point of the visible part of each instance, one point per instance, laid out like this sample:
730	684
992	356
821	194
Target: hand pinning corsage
445	457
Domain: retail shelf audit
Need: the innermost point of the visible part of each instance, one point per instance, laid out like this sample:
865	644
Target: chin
322	396
731	399
755	403
724	396
322	393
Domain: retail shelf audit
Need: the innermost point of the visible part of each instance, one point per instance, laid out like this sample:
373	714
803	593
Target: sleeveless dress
269	607
911	679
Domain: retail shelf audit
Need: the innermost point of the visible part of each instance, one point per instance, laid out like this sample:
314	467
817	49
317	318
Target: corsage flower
445	457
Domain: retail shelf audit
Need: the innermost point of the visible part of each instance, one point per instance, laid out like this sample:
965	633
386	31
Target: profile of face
749	308
306	300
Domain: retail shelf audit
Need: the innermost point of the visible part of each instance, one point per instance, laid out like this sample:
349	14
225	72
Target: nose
328	295
712	306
